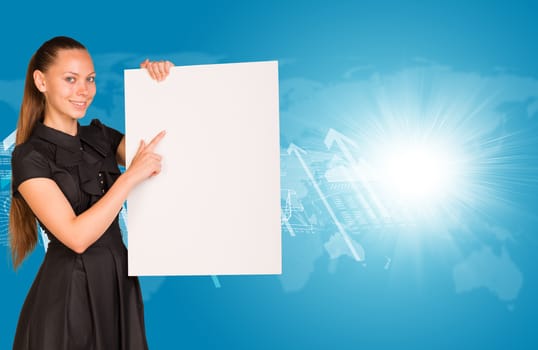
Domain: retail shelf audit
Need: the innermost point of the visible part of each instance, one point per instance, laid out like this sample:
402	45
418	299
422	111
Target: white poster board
215	207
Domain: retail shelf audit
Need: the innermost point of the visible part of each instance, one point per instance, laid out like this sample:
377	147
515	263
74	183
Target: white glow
422	172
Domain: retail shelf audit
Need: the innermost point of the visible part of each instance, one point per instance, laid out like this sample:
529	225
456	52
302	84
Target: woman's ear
39	81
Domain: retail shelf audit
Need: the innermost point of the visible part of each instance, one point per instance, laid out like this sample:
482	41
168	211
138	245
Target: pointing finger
155	141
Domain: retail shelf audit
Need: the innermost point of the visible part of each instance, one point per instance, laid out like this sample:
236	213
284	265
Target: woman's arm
53	209
120	152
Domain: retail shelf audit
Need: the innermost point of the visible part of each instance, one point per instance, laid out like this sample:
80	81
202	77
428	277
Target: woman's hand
157	70
146	163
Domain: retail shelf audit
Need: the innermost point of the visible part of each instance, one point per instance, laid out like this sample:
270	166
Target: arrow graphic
298	153
9	140
286	215
334	136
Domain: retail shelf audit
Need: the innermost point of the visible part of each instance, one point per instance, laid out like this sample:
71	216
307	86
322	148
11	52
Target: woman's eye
91	79
70	79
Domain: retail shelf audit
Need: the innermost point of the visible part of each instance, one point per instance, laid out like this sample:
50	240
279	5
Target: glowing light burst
418	176
437	151
420	173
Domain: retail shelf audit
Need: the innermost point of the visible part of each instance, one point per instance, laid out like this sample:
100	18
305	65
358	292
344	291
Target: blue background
459	273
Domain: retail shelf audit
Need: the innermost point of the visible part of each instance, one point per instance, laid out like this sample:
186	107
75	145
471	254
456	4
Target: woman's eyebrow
74	73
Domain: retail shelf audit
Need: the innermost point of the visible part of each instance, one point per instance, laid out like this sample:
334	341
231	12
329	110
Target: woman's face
68	84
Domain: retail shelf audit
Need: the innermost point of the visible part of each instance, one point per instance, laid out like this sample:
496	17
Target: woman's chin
78	115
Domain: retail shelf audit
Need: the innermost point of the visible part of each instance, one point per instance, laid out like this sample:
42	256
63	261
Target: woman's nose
82	89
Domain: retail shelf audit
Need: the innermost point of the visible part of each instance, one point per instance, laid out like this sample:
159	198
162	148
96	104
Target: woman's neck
68	126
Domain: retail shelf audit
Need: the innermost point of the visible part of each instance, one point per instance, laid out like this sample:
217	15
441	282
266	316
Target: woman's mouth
79	104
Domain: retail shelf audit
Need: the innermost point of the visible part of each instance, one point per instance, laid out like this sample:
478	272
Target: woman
66	176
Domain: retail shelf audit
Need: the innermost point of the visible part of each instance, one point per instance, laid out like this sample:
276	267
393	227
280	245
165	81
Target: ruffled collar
88	150
70	148
59	138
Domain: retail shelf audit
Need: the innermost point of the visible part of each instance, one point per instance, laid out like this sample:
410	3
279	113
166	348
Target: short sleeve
27	163
114	136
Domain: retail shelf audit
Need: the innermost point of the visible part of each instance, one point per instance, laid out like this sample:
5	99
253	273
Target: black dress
78	301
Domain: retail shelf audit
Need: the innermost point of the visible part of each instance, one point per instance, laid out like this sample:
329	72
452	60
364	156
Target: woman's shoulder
33	148
96	123
30	159
96	128
100	136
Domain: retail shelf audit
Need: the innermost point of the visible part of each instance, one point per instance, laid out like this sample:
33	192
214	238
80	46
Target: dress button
100	174
102	191
101	182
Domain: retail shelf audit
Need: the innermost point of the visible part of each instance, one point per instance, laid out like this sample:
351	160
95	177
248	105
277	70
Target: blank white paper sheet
215	207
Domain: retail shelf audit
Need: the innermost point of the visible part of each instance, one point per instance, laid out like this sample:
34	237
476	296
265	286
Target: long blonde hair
22	221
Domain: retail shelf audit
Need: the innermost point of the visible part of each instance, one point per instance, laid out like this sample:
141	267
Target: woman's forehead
73	60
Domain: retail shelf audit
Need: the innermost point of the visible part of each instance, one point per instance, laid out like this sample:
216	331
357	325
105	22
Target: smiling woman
68	87
66	176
